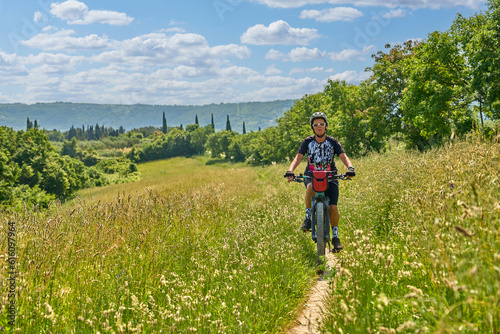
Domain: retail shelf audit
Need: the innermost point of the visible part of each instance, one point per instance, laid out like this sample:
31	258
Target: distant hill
62	115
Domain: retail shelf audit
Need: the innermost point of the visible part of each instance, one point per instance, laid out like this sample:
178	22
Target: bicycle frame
321	200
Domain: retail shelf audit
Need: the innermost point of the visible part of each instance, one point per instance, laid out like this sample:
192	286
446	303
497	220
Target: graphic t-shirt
320	155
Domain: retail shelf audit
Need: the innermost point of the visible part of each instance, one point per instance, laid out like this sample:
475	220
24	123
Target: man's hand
289	175
350	172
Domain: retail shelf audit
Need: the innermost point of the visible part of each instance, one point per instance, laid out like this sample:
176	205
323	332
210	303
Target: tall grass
190	248
422	243
216	249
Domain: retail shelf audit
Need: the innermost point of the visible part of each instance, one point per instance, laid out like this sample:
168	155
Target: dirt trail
312	314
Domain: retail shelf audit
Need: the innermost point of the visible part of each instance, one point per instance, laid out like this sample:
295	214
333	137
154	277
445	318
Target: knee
334	209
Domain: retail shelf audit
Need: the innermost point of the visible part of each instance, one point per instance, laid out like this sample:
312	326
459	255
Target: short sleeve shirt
321	154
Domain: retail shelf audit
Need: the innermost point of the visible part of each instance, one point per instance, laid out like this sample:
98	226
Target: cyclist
320	150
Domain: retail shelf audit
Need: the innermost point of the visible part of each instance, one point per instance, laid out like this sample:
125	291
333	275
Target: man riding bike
321	150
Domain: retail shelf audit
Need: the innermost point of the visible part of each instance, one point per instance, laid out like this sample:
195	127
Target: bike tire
320	228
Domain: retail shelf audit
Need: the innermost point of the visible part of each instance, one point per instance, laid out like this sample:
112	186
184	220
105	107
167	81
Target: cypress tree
164	123
228	124
196	120
213	124
36	124
29	124
244	130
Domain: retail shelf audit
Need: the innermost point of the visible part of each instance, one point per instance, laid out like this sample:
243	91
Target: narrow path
312	314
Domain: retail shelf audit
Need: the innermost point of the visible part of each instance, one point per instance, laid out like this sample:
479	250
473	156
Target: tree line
421	93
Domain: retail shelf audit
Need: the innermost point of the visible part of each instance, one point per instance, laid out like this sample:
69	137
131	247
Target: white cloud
76	12
316	69
391	3
278	32
272	70
179	49
351	54
303	53
331	14
275	55
394	13
352	77
10	66
38	17
62	40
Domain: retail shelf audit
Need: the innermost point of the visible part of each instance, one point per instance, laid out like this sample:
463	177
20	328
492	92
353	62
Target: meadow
422	243
192	247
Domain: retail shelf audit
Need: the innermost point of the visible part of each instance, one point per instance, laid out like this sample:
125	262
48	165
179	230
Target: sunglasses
319	124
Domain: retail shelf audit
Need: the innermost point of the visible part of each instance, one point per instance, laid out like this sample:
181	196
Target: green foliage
435	102
190	254
33	173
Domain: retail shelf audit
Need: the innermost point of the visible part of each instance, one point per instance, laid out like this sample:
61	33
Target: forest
421	94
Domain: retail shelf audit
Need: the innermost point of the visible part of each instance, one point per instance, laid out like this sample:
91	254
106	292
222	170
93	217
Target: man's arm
295	162
345	159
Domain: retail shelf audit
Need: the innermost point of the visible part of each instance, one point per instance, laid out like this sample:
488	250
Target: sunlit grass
216	249
188	248
422	243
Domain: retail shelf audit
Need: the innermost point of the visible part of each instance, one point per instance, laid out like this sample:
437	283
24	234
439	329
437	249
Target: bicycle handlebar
302	178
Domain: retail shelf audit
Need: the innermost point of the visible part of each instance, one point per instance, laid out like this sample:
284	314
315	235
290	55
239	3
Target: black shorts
332	193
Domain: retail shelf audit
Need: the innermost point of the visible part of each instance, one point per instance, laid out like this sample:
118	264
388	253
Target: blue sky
196	52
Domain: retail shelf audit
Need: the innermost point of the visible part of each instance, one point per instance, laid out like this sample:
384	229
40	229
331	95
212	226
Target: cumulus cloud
351	54
38	17
279	32
351	76
275	55
394	13
76	12
179	49
303	53
331	14
317	69
391	3
62	40
10	66
272	70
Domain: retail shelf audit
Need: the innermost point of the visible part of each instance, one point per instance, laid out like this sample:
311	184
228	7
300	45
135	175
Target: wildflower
135	301
405	326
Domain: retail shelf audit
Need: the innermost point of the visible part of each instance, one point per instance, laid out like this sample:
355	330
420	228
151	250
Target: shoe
337	246
306	226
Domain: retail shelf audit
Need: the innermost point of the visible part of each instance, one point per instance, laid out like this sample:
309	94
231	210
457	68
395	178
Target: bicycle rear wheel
320	228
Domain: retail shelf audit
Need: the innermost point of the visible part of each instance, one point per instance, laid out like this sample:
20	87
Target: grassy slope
423	244
188	247
421	236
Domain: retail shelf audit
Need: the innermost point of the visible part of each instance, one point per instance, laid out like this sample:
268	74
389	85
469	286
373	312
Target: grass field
204	248
422	244
188	248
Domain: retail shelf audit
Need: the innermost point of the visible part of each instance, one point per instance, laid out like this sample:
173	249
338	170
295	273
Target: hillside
62	115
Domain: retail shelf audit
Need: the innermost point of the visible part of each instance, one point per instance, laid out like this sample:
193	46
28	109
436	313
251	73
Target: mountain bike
320	227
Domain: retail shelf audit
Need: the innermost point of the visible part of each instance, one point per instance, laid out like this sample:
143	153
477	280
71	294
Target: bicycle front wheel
320	228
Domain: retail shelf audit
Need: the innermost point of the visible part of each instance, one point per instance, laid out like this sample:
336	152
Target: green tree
390	80
228	124
479	39
435	101
70	148
164	129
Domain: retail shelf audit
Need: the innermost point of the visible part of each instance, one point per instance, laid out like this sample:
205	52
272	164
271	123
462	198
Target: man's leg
334	215
306	226
334	222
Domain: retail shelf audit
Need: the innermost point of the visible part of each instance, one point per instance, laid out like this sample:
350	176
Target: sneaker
306	226
337	246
